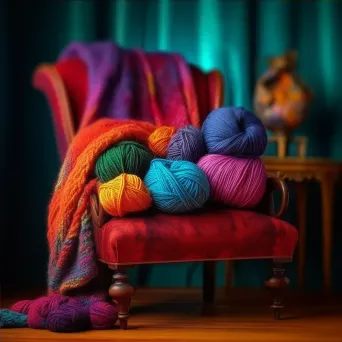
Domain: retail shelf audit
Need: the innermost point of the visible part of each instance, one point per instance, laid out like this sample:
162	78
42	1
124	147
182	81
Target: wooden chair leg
276	284
229	266
209	285
121	292
209	281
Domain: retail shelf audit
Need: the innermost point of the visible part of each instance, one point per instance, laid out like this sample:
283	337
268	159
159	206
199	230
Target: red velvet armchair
217	234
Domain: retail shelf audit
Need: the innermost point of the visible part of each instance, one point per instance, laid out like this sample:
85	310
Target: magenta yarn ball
41	307
238	182
22	306
87	300
99	296
103	315
68	317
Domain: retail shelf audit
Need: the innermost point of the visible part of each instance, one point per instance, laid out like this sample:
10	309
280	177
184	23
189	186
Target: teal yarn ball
125	157
12	319
177	186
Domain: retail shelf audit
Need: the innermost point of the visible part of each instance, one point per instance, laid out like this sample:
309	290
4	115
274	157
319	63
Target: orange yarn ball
124	194
159	140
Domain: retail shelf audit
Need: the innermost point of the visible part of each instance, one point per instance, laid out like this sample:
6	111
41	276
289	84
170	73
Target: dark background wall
233	36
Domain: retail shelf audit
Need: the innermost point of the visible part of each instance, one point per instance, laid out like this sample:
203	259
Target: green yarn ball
124	157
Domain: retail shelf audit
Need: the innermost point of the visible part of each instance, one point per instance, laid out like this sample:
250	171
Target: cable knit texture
72	261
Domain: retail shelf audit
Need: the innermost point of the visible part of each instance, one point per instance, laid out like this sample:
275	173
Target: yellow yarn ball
159	140
123	195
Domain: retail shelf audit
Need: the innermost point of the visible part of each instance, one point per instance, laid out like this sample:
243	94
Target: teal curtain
235	36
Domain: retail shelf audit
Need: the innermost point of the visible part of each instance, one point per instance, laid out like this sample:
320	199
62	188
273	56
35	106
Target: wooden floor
176	315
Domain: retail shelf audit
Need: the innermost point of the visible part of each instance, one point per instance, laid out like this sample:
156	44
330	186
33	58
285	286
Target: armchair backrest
64	85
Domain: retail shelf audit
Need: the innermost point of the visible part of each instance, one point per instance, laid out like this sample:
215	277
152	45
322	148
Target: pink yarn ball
99	296
22	306
41	307
103	315
238	182
95	297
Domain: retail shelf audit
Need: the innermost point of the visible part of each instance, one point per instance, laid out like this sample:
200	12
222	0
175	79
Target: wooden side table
300	170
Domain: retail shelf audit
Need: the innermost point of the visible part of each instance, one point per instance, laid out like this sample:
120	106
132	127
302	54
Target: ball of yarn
186	144
159	140
68	317
234	131
98	296
125	157
22	306
12	319
103	315
41	307
124	194
177	186
238	182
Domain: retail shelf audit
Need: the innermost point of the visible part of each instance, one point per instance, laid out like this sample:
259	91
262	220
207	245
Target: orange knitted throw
72	261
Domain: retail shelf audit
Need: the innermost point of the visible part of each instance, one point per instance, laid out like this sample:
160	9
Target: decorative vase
281	98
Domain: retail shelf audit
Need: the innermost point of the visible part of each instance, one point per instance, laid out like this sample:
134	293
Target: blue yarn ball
12	319
234	131
177	186
186	144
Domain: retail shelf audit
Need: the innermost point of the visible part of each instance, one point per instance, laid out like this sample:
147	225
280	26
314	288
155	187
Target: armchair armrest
266	206
98	215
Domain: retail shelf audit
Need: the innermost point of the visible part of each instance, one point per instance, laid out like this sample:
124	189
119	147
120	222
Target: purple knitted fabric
132	84
117	83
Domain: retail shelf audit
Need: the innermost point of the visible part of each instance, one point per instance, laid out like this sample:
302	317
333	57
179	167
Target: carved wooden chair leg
277	284
121	292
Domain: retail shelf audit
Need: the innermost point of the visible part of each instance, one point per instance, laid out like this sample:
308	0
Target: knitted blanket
72	261
131	84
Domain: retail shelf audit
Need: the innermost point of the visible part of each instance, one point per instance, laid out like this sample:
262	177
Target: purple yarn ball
103	315
68	317
234	131
40	309
22	306
186	144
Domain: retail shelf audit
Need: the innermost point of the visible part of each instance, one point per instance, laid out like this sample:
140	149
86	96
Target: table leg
301	194
327	217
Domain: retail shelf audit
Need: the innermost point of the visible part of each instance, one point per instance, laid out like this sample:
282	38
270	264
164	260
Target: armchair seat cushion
220	234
